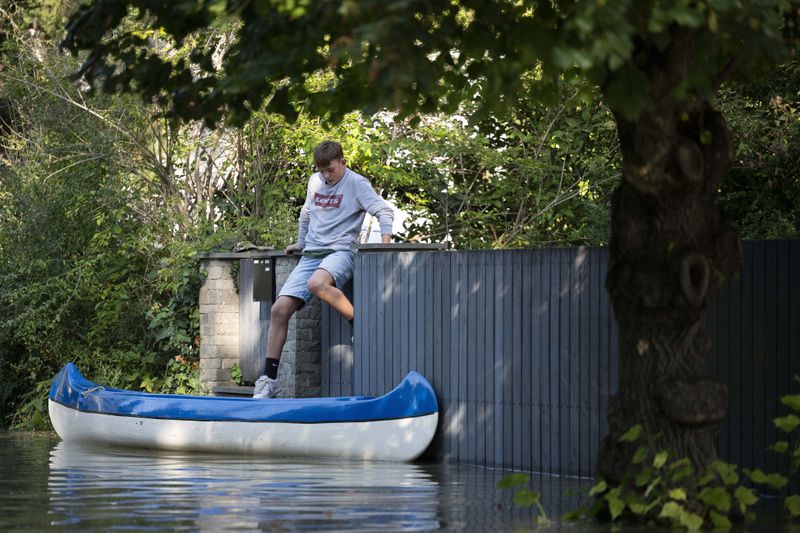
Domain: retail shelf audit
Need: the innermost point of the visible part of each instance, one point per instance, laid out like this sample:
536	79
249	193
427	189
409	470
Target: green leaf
598	488
677	514
615	505
681	474
640	455
792	401
526	498
660	459
776	481
652	486
727	472
781	446
792	504
787	423
512	480
716	497
719	521
632	434
643	477
745	497
677	494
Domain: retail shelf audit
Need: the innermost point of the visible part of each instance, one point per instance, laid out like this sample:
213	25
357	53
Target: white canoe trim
402	439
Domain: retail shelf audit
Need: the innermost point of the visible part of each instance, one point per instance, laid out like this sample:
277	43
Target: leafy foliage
789	424
416	56
523	496
761	192
667	491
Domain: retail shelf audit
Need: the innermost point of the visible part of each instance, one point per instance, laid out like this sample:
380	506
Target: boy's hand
293	248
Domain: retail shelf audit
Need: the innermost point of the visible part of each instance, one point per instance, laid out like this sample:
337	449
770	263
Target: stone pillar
219	324
300	373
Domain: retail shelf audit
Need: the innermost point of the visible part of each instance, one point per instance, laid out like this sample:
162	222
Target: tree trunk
670	252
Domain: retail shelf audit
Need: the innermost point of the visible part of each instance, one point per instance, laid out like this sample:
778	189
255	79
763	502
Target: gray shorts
338	264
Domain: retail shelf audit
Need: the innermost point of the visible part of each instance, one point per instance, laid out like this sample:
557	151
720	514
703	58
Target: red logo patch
328	200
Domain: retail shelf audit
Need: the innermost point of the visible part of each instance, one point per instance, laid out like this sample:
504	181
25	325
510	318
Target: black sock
272	367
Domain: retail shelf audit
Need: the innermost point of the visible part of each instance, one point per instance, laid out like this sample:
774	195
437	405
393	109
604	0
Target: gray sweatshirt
332	215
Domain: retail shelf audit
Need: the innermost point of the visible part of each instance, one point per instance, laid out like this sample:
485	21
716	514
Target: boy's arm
377	207
305	218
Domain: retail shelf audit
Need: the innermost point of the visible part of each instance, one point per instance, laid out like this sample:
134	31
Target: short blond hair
327	151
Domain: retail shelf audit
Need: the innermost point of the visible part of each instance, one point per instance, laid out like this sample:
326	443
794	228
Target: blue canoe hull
397	426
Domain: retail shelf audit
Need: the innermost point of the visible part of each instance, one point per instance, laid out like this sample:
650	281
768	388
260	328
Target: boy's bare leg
280	313
323	287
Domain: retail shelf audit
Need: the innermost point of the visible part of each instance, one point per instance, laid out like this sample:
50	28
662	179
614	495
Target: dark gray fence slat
771	388
748	361
595	377
488	361
784	382
538	367
422	313
404	322
514	265
361	359
736	380
482	369
383	345
499	372
526	353
508	360
793	319
455	351
555	349
583	361
573	359
606	330
471	354
463	354
563	362
759	353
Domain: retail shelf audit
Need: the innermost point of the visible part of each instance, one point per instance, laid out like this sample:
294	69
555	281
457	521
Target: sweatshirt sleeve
305	217
375	205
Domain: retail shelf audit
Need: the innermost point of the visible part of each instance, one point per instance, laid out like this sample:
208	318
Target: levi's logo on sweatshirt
328	200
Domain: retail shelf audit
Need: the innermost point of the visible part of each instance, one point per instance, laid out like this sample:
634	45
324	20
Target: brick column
219	324
300	373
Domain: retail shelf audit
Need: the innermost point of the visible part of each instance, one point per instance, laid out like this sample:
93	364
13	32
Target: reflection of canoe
396	427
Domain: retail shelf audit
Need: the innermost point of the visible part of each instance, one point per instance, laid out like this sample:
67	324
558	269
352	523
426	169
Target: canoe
398	426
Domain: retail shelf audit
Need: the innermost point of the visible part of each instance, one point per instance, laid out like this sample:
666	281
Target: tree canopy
413	55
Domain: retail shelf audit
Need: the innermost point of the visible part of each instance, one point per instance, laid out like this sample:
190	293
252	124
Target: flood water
46	484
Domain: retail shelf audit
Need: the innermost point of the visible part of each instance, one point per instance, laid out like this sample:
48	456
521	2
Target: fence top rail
400	247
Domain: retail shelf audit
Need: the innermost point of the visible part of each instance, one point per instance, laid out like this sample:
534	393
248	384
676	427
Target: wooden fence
521	347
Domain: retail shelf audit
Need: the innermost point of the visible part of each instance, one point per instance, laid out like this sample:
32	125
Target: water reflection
102	488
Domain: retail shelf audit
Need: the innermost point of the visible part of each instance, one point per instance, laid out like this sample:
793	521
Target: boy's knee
317	284
281	309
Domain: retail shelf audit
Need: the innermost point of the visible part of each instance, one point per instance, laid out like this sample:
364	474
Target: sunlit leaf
632	434
716	497
512	480
792	504
787	423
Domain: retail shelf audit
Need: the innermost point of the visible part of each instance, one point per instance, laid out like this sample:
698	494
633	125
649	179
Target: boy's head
327	151
329	160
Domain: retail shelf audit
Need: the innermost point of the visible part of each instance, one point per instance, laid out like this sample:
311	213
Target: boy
330	221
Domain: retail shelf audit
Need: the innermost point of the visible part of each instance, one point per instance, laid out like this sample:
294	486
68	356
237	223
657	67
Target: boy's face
333	171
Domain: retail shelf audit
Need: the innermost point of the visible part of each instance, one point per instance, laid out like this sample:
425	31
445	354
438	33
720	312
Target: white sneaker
265	388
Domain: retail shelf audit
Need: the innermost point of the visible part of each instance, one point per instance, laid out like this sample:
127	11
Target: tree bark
670	252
